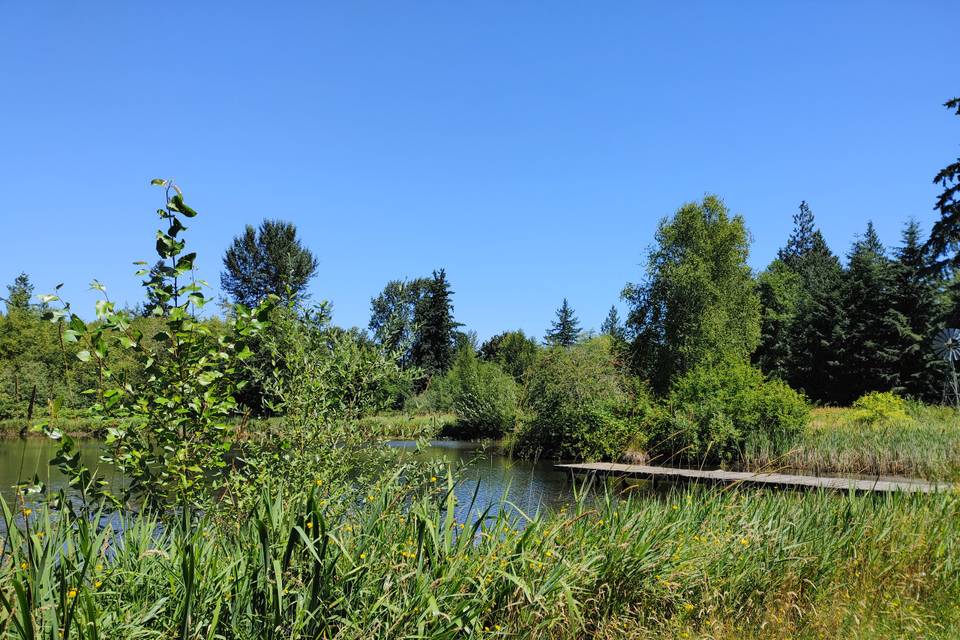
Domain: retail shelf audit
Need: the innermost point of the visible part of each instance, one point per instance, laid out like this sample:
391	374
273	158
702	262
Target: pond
528	486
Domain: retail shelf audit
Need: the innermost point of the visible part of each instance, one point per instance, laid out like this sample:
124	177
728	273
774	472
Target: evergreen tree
699	304
801	240
434	343
156	303
611	325
265	261
781	292
20	292
945	236
565	330
919	304
815	335
869	350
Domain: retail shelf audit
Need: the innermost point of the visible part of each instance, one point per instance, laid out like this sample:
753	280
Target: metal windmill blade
946	344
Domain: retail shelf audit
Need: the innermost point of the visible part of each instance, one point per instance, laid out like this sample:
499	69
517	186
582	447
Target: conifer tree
945	236
565	330
20	292
919	304
434	345
801	240
781	291
816	332
611	325
869	350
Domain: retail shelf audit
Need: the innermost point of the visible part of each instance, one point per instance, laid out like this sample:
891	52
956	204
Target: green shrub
876	408
580	404
483	397
720	413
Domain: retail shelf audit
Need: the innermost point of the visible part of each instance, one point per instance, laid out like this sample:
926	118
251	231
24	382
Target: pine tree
612	326
565	330
434	344
801	240
919	304
869	351
20	292
815	334
945	236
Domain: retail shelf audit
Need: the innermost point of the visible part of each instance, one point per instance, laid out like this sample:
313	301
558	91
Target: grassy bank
926	444
406	425
397	564
78	426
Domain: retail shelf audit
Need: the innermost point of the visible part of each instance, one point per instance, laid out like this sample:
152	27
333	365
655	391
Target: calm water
528	486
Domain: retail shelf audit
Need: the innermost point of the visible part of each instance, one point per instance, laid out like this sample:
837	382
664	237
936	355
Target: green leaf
83	356
158	182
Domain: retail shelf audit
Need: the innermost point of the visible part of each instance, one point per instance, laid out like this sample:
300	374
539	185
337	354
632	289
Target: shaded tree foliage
869	352
920	303
267	261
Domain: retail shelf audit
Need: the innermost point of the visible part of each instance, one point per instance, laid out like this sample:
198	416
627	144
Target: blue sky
528	148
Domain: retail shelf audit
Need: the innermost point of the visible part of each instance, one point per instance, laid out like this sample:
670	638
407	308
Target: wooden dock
644	472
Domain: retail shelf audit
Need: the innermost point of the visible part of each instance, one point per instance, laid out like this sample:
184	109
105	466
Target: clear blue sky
528	148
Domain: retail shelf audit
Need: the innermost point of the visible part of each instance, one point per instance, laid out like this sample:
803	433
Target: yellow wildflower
309	525
97	584
72	593
27	512
23	565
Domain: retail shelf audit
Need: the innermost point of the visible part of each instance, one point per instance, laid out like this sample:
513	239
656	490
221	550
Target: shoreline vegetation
397	562
925	445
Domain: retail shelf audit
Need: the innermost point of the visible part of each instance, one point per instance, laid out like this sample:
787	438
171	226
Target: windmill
946	345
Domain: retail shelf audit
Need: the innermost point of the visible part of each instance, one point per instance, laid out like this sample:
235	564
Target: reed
925	445
407	561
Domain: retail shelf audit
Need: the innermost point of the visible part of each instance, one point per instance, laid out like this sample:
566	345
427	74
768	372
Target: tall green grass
407	426
924	445
399	562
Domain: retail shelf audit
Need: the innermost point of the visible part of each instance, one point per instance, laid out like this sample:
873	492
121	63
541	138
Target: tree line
833	329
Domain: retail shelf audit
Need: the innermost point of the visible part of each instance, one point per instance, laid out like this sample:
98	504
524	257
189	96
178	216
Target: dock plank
748	477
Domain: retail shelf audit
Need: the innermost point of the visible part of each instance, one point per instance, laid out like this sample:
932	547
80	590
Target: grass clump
925	445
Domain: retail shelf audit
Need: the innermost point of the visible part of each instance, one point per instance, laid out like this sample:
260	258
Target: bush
722	413
579	403
483	397
877	408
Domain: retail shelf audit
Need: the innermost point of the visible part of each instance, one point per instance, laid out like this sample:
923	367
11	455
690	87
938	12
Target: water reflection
528	486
